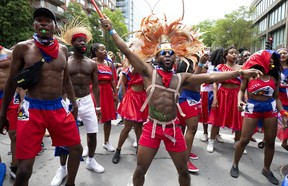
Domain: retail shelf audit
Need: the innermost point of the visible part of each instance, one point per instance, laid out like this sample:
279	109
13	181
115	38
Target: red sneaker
191	167
193	156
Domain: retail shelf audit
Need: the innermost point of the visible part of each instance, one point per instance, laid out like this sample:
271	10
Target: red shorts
190	110
37	115
147	141
12	112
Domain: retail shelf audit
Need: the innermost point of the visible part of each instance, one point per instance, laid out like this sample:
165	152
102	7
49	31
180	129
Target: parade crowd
162	84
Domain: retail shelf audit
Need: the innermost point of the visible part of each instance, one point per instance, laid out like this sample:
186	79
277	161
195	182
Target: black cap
44	11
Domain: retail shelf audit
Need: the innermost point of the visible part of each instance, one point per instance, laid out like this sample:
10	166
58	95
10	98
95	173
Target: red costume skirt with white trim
130	106
226	114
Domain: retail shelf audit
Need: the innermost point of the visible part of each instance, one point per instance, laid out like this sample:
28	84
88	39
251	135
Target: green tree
234	29
118	22
16	21
206	27
75	10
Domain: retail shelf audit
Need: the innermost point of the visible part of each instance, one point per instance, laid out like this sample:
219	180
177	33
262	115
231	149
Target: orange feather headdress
156	34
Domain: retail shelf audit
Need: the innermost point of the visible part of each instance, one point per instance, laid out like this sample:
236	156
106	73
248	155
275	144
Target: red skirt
108	111
130	106
226	114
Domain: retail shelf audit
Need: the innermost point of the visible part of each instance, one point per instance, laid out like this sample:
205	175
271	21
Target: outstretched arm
218	76
136	62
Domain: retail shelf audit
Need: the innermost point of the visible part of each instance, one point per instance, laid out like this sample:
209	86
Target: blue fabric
189	95
2	173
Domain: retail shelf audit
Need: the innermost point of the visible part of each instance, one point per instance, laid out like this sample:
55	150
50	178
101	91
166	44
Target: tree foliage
16	21
234	29
118	22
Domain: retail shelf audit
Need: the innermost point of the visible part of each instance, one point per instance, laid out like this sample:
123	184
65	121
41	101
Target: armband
112	32
98	108
200	64
284	113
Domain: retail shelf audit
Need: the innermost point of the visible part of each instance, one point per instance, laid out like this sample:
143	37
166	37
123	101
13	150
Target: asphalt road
214	167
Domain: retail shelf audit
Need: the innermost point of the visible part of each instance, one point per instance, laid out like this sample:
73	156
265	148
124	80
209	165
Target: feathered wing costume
156	34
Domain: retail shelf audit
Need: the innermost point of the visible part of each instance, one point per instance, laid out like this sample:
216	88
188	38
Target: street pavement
214	167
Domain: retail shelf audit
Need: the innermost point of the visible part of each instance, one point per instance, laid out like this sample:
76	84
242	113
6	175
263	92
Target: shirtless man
12	113
83	72
42	108
162	102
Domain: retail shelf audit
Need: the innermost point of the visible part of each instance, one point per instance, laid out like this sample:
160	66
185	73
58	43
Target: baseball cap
44	11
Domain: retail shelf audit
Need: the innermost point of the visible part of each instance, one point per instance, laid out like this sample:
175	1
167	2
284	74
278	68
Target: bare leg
205	128
270	131
91	143
248	128
181	166
75	153
107	131
24	172
12	136
214	132
124	133
192	125
138	129
145	156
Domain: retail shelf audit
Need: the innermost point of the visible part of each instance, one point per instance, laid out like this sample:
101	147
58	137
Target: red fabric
51	50
282	132
166	77
1	47
104	73
130	106
62	128
78	35
225	68
226	114
108	111
147	141
261	58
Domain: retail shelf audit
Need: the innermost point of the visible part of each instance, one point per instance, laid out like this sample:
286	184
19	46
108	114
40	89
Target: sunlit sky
196	10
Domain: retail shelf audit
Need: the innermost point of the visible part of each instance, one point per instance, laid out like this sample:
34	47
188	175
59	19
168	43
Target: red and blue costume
108	111
227	114
132	102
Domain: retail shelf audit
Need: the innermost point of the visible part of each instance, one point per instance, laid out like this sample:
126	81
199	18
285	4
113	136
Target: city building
270	20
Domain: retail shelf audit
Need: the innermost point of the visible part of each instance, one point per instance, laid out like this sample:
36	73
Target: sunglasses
164	52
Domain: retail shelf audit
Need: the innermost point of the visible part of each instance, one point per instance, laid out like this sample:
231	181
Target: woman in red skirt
108	93
224	111
130	107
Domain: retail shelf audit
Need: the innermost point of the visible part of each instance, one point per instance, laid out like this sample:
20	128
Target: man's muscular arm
68	88
141	68
16	64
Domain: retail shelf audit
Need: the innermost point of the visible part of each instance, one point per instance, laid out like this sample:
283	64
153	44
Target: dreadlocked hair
184	40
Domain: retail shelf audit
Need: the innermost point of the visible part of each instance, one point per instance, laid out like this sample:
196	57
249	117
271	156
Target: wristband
284	113
200	64
112	32
98	108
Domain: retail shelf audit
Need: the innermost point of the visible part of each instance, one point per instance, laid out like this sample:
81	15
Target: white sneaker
93	165
210	146
234	147
204	137
135	144
219	139
85	151
58	178
108	147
